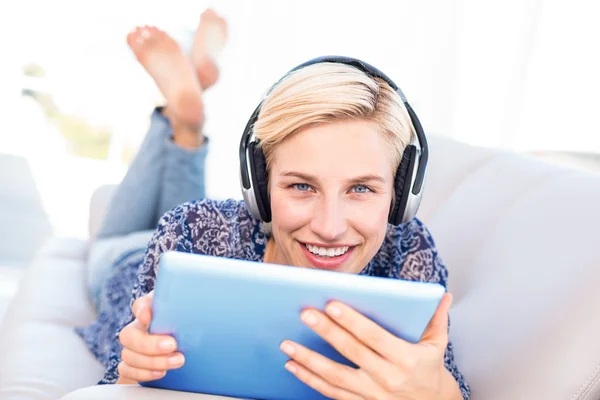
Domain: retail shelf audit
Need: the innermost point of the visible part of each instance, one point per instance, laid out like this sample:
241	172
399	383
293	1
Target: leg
134	206
169	167
175	77
183	178
168	170
210	38
183	169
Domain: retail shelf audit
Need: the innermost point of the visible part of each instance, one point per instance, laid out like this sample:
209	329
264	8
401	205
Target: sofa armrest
134	392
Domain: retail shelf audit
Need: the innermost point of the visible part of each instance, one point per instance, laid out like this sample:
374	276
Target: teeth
330	252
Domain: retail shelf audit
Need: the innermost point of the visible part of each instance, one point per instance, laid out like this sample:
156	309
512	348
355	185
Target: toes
134	37
143	35
208	13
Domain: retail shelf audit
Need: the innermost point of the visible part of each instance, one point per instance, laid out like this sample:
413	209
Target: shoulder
409	252
207	212
412	236
403	239
219	227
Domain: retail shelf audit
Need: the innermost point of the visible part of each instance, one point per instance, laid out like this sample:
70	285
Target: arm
203	227
172	234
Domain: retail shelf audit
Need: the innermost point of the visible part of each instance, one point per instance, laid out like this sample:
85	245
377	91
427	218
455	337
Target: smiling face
331	189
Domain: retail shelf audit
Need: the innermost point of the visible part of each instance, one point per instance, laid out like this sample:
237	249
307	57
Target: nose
328	220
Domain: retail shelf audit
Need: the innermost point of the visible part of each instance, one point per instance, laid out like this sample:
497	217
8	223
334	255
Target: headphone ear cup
260	181
402	184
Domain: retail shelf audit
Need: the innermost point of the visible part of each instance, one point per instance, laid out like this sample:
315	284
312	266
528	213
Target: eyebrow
358	179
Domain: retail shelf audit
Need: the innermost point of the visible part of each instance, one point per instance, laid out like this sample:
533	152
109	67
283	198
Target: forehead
344	148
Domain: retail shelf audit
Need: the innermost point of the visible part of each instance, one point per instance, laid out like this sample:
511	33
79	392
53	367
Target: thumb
436	332
142	309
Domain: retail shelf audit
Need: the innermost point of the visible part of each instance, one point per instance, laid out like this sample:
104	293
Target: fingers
335	374
142	309
343	341
319	384
436	332
146	357
322	374
366	331
138	375
136	338
154	363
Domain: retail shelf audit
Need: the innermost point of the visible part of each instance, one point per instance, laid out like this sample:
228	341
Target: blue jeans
161	176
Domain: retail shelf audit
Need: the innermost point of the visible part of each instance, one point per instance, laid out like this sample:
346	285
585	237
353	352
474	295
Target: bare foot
162	57
211	36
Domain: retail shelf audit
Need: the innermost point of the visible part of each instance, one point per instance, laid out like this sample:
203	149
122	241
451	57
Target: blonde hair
328	92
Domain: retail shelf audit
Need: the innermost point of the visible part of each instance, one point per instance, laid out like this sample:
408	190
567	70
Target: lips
325	261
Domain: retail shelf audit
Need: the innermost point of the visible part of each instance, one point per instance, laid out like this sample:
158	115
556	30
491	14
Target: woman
333	137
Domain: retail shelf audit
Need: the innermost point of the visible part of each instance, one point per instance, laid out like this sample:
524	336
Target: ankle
188	139
184	135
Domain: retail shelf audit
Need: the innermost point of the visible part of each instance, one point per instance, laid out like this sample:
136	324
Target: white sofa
520	239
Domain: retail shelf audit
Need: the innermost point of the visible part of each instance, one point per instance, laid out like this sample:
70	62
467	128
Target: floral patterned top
226	229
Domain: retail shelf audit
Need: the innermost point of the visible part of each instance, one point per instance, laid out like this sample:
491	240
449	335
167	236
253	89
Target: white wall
520	74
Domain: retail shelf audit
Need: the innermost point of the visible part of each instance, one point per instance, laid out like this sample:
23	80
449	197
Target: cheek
373	227
377	224
378	211
286	215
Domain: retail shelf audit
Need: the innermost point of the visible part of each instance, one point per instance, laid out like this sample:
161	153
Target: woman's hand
388	367
146	357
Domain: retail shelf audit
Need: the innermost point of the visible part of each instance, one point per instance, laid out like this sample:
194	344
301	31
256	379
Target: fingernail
334	311
309	318
158	374
290	368
176	360
167	344
287	348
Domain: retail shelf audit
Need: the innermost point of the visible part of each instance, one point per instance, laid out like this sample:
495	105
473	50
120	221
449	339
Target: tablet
230	316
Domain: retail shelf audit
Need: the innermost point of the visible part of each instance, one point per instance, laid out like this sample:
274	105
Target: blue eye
302	187
361	189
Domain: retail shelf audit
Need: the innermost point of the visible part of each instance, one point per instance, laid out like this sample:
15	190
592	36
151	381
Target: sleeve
423	263
172	233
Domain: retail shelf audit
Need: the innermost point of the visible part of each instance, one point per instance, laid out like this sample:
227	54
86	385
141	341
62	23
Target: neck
271	253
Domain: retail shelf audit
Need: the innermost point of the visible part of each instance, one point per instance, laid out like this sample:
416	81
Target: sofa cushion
42	356
59	247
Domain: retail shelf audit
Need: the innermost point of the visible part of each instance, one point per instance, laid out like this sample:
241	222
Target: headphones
408	184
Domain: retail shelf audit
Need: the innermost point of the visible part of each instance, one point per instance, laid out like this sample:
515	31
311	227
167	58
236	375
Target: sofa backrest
520	240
